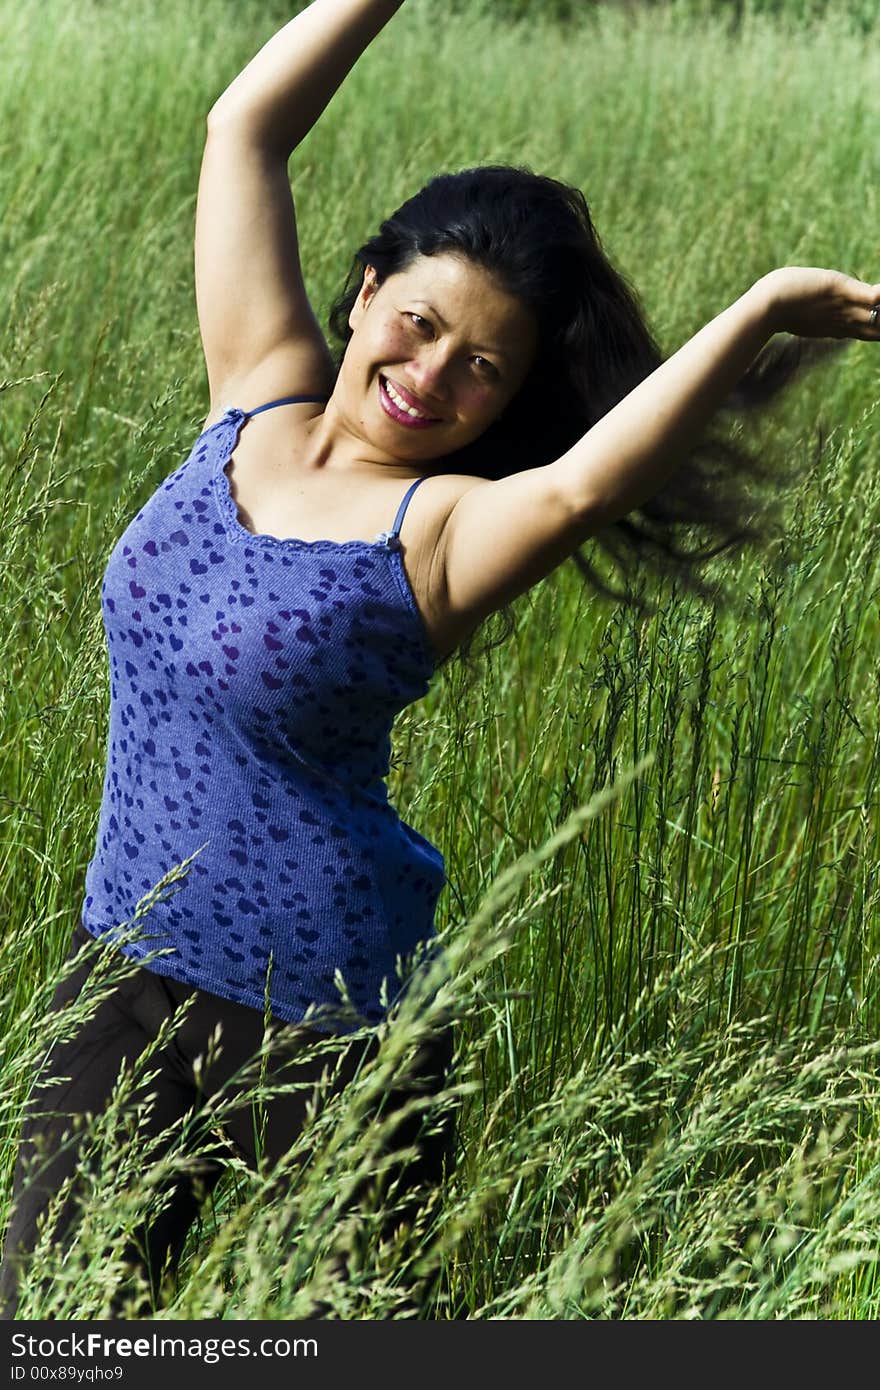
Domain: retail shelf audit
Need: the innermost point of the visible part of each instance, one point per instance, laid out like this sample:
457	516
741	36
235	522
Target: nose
429	372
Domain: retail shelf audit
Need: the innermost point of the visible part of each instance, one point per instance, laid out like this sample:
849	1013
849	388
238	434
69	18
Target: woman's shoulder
441	493
274	381
427	521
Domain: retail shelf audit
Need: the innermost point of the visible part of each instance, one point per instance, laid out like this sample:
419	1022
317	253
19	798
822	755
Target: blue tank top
254	682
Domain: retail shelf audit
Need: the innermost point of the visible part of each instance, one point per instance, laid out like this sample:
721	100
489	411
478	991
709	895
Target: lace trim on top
386	541
233	418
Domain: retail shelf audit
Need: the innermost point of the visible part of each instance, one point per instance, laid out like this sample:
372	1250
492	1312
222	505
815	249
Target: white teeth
402	405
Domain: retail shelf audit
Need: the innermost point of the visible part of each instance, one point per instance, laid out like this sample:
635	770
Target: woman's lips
400	408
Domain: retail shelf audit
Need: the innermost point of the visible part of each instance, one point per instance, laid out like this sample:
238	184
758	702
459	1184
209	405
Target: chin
416	446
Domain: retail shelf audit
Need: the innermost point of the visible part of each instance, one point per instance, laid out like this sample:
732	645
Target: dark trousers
117	1032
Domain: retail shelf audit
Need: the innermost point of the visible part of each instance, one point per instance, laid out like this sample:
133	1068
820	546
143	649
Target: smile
401	406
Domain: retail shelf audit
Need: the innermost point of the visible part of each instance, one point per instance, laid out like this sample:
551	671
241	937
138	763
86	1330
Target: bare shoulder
429	512
423	537
275	379
493	540
447	488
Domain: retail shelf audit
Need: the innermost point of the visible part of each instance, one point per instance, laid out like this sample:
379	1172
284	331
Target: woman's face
437	352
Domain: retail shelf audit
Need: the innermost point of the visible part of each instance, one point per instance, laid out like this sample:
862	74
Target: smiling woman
498	400
441	347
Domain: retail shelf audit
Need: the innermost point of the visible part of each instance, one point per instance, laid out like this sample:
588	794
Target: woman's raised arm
542	515
633	450
259	334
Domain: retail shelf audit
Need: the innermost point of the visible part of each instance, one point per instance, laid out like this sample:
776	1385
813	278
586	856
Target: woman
499	401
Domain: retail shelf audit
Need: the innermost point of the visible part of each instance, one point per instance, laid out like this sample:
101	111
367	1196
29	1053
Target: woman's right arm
259	334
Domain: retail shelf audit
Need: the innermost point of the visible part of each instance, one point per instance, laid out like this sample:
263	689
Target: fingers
865	311
817	303
868	313
857	309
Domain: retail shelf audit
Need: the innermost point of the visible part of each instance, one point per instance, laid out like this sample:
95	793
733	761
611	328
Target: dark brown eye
485	367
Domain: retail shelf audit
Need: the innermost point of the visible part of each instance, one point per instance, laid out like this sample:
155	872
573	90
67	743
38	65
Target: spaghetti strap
287	400
398	520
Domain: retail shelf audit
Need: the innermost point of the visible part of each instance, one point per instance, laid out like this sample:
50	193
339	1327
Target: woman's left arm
630	453
539	517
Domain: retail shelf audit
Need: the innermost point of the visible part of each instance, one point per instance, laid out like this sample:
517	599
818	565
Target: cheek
391	342
374	344
480	401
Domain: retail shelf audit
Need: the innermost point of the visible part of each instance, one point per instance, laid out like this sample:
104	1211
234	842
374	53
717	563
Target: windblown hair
535	235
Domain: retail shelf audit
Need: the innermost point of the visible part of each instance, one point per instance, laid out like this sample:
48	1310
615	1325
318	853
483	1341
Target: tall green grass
863	14
665	993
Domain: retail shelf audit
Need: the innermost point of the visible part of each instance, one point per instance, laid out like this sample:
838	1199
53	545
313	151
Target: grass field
667	993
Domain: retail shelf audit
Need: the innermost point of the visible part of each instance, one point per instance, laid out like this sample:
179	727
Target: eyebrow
496	351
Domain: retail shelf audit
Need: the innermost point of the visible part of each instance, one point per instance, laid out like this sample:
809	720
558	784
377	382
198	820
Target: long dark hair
535	235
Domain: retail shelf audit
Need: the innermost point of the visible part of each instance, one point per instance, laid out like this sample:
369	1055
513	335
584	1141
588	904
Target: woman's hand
814	303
